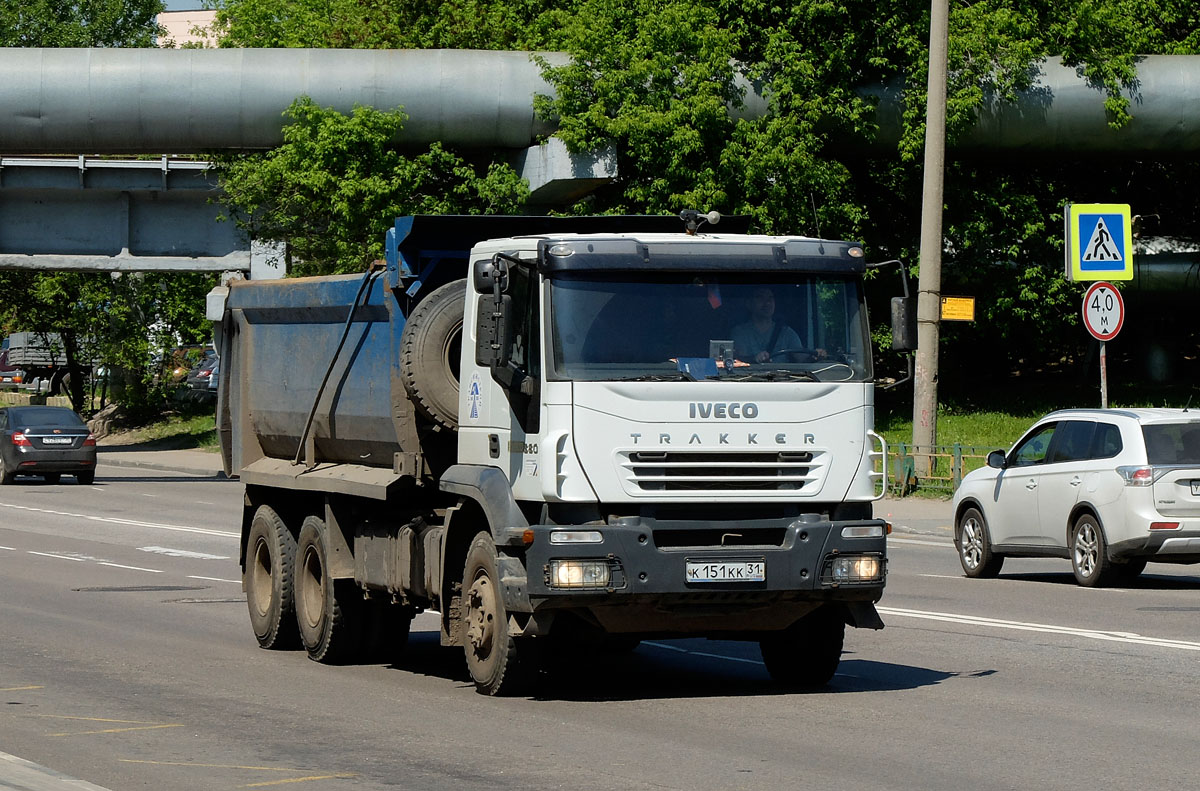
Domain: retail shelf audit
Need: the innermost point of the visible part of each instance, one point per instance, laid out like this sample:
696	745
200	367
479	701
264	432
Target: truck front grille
735	471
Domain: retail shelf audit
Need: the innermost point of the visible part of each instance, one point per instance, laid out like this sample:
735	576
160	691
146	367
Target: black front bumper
648	561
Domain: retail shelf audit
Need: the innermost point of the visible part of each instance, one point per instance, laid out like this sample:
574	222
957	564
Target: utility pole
929	282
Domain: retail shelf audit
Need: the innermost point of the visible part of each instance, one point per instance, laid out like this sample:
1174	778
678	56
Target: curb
104	461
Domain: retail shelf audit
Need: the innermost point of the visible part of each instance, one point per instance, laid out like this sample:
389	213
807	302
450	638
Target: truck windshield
683	325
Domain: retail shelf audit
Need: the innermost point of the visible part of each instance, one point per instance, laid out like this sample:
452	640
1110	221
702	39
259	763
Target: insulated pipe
1062	112
125	101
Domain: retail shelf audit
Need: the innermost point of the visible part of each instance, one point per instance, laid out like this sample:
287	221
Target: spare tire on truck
430	349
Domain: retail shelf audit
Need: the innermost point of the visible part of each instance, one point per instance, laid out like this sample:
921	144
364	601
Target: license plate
727	571
1196	488
57	440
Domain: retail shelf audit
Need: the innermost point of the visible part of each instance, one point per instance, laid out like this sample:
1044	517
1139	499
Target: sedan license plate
1195	488
57	440
727	571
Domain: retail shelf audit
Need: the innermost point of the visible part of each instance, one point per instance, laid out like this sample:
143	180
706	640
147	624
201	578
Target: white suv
1108	488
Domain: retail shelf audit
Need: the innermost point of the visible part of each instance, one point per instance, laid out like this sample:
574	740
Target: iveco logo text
721	410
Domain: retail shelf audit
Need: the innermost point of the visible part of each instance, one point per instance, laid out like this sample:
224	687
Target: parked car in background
47	441
1110	489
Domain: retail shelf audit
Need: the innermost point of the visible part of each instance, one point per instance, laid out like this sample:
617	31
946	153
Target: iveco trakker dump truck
559	432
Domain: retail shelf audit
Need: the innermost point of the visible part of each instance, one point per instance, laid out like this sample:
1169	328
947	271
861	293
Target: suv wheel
1089	553
975	545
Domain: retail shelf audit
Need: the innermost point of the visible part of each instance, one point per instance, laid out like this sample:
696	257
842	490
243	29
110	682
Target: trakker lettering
723	439
720	410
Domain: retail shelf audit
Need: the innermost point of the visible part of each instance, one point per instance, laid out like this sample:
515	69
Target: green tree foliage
79	23
655	79
337	183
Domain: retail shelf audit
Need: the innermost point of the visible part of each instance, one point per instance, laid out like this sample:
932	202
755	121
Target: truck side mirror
493	323
904	324
491	275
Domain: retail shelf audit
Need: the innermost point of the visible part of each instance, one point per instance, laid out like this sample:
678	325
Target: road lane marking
10	549
1071	631
60	557
127	522
21	689
944	576
182	553
299	780
116	730
131	568
213	579
916	543
135	725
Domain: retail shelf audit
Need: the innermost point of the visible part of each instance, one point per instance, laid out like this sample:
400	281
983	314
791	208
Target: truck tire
328	611
430	348
270	559
806	654
499	663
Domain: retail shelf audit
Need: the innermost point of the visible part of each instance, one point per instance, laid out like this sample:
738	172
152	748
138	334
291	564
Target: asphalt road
127	661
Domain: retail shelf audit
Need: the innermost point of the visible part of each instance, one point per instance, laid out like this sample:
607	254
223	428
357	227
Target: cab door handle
1031	484
1076	481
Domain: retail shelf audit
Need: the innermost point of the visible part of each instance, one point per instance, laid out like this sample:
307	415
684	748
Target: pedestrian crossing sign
1099	241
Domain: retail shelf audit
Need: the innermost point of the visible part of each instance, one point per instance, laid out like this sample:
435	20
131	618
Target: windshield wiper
774	376
673	376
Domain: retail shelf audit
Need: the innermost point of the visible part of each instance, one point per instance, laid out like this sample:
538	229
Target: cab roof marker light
863	531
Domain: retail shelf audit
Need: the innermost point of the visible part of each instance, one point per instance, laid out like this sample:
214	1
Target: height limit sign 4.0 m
1103	311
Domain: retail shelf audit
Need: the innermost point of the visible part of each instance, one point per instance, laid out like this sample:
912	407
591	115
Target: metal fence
947	466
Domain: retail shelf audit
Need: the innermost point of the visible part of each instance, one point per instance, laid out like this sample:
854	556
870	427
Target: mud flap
862	615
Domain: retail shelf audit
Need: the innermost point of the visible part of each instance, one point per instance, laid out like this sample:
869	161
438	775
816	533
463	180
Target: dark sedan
46	441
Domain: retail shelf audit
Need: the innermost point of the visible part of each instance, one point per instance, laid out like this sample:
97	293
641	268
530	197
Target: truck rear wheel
500	664
806	654
270	558
430	349
328	611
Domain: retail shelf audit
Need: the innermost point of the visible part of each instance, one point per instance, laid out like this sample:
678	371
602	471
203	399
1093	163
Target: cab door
1014	515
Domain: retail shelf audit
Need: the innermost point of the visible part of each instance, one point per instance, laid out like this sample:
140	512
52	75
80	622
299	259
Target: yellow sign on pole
958	308
1099	241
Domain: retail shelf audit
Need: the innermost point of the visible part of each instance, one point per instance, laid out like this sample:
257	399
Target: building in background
188	26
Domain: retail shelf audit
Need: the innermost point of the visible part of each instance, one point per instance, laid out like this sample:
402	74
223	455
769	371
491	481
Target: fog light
856	568
576	537
579	574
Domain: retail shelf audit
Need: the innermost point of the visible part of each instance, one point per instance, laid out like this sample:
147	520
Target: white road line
10	549
60	557
916	543
213	579
128	522
1072	631
131	568
944	576
182	553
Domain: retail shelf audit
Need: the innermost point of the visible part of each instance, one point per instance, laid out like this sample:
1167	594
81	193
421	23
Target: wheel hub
481	616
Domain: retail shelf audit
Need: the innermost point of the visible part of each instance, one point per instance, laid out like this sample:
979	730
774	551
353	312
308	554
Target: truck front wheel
807	653
328	611
270	555
499	663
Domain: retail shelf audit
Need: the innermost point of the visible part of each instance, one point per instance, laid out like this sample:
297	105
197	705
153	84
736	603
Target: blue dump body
290	333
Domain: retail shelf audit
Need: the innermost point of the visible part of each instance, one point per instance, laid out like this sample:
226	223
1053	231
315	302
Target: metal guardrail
947	466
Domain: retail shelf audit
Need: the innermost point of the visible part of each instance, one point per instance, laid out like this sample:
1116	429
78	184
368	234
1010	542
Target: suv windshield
776	327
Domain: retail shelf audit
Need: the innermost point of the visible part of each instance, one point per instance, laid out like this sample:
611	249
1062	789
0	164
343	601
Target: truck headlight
579	574
856	568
